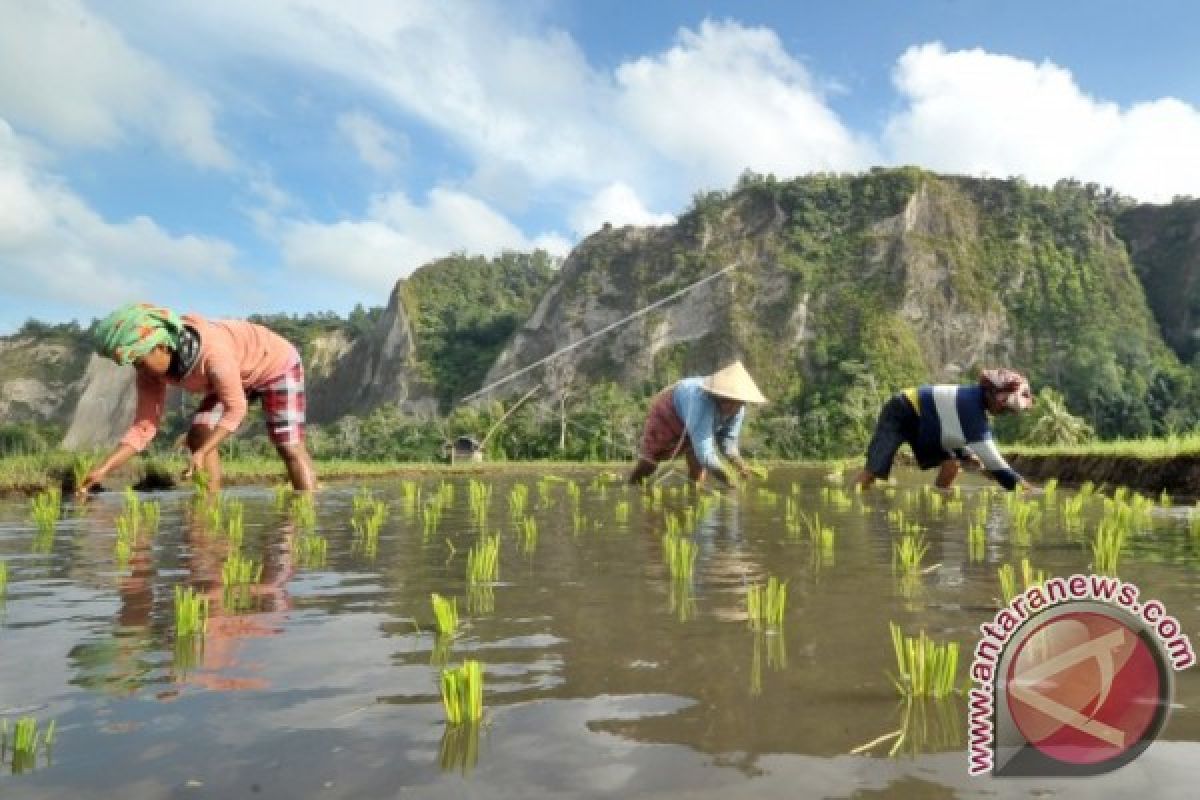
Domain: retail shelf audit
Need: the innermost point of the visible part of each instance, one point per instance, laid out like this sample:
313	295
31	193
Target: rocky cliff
1164	243
40	374
883	279
378	368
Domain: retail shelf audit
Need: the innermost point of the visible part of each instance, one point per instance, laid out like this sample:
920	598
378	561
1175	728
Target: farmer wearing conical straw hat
226	361
697	417
947	426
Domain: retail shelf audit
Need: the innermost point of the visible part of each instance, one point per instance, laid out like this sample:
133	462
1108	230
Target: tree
1054	424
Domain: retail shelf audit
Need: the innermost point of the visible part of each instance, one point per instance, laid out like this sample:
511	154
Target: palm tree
1055	424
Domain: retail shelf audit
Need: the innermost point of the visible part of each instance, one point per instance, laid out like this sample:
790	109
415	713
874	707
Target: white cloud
397	236
617	204
54	247
972	111
726	98
375	144
71	76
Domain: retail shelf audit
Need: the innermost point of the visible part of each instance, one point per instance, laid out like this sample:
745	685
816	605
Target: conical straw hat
735	383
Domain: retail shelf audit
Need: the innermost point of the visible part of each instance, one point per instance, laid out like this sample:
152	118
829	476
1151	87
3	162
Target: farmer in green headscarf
226	361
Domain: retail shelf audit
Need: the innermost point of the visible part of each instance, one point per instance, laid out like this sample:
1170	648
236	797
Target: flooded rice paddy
616	653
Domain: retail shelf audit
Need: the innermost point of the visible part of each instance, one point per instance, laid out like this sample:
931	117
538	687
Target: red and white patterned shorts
282	401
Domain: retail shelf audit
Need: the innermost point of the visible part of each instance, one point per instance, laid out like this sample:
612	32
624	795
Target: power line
606	329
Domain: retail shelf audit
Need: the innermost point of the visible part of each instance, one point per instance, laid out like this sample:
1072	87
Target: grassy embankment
1170	462
33	473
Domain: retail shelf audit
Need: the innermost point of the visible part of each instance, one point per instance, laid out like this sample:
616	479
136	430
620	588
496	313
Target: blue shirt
954	417
705	426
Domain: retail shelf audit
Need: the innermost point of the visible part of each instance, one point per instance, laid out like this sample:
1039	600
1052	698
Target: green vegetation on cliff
463	310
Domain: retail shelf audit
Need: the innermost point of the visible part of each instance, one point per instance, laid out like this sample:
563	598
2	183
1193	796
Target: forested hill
846	288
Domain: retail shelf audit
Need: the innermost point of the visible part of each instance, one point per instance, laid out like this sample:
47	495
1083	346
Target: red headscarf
1009	386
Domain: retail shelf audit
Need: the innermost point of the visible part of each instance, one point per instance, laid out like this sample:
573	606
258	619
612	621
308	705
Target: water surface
604	676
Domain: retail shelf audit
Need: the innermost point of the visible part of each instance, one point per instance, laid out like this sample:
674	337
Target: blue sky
302	155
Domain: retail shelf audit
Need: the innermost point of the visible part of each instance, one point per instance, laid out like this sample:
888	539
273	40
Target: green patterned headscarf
132	331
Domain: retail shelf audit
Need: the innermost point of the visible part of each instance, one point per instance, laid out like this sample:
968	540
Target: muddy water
604	677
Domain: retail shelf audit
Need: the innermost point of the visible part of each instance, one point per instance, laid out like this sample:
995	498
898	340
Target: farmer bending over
696	417
226	361
948	425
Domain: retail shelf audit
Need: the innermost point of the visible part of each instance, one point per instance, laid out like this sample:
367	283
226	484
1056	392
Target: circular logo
1084	689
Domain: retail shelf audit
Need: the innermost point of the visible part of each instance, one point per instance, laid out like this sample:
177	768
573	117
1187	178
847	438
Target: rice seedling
27	740
445	612
234	528
304	512
544	498
1008	583
362	502
3	579
573	492
282	495
200	485
765	604
481	599
1106	547
976	542
479	495
191	612
214	511
410	494
528	531
935	503
679	553
151	516
907	555
81	465
462	693
1072	510
954	507
924	667
579	522
1049	491
483	561
1087	489
681	596
1024	518
366	525
838	498
1164	499
431	516
767	497
239	571
621	511
1194	521
312	550
689	518
518	496
46	508
445	493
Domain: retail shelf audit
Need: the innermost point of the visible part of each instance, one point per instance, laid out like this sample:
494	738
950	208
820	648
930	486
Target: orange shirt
235	356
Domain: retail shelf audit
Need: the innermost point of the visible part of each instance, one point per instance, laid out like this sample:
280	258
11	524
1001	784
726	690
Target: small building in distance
464	448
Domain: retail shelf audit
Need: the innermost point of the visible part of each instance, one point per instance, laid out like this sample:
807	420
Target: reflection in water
258	609
459	749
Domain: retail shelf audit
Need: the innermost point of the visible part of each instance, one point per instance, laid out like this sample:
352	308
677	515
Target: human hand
93	478
195	464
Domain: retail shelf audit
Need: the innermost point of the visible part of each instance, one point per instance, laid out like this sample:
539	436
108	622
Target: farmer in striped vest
947	426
